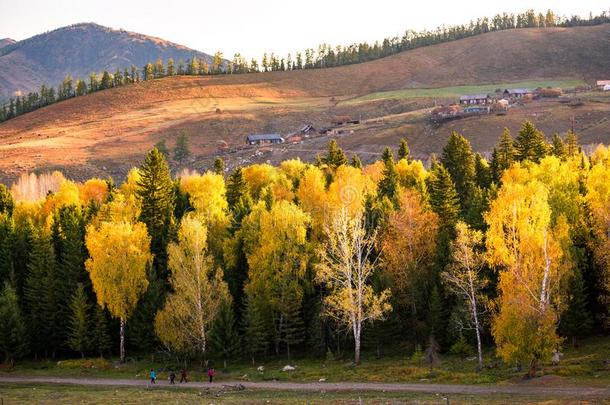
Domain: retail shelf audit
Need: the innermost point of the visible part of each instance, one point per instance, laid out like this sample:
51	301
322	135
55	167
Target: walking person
153	376
183	376
172	377
211	373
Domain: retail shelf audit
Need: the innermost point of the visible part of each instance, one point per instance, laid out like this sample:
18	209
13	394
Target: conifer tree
530	144
78	338
403	150
576	321
558	147
162	148
171	70
459	161
504	155
572	147
237	188
293	328
41	295
13	330
100	339
335	156
224	340
388	185
182	150
7	246
219	166
445	203
356	162
255	331
482	172
6	201
156	192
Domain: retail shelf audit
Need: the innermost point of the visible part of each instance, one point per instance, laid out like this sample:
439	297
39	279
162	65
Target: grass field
457	91
39	394
580	366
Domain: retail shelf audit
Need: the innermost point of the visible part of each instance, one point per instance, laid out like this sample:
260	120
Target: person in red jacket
211	373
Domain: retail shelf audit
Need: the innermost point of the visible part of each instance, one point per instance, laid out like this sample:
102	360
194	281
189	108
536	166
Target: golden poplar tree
119	255
533	262
199	291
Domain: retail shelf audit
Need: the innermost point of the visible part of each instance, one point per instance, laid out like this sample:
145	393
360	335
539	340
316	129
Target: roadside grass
46	393
456	91
583	365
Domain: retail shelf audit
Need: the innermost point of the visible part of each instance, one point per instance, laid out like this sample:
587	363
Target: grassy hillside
108	131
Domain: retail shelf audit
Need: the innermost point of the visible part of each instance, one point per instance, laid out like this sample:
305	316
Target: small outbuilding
264	139
606	87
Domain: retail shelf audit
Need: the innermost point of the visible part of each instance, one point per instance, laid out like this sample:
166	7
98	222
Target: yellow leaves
412	174
349	189
130	186
258	177
409	242
119	254
206	194
198	291
93	190
312	194
532	253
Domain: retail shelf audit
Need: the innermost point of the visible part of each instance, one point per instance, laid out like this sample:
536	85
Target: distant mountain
6	41
79	50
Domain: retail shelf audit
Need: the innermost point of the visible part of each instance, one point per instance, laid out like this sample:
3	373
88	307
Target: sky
257	26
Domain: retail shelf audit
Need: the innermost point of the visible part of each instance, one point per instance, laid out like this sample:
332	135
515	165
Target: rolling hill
78	50
6	41
107	132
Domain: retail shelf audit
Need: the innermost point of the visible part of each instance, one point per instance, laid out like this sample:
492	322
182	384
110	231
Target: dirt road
516	389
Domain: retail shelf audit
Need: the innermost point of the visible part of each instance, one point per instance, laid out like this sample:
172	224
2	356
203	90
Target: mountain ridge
78	50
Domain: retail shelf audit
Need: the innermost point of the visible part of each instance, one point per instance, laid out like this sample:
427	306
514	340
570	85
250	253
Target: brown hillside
106	132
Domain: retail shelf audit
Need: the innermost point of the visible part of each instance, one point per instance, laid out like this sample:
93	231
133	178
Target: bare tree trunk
122	346
477	327
356	344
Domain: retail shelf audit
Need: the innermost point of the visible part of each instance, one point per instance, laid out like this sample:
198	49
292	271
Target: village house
475	99
477	109
601	84
517	93
264	139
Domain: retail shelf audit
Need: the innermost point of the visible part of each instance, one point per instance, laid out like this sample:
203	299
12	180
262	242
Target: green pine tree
572	146
482	172
335	156
219	166
293	330
504	156
356	162
79	332
576	320
558	148
6	201
388	185
459	161
182	150
162	147
224	340
530	144
42	296
445	203
100	338
403	150
155	190
13	330
255	331
7	245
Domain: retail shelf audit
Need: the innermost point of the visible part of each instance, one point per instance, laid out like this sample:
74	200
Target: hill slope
79	50
6	41
109	131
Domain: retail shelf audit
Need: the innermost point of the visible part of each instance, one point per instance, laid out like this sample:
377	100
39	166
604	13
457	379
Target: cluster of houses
507	95
306	131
